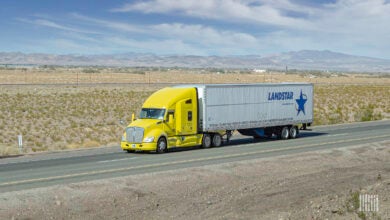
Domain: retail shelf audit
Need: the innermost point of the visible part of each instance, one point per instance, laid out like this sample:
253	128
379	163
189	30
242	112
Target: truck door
186	120
170	126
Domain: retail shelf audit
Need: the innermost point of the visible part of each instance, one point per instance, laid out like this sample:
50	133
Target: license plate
133	145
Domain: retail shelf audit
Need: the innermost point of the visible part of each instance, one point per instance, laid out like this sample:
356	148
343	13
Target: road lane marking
348	125
107	161
181	162
335	135
25	159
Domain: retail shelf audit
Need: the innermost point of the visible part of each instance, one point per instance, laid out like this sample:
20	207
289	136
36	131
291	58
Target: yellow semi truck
207	115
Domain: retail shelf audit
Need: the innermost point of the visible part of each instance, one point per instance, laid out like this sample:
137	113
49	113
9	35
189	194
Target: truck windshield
154	113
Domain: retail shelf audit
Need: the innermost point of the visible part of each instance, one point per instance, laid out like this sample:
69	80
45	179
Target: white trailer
191	115
256	109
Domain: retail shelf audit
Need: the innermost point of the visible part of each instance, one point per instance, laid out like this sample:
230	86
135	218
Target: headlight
123	137
149	139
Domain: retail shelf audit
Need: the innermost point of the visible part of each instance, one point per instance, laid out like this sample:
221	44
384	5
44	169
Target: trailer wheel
284	134
293	132
217	140
206	141
161	145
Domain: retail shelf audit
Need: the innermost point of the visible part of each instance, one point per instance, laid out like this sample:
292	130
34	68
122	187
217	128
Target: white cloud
121	26
351	26
170	46
52	24
344	16
332	17
161	39
262	11
200	35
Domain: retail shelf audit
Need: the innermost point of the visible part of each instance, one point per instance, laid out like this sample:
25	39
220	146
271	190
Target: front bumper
142	146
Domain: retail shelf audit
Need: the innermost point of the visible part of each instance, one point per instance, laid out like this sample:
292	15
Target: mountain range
300	60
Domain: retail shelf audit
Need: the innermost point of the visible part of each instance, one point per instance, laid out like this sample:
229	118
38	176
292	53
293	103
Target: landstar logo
301	103
280	96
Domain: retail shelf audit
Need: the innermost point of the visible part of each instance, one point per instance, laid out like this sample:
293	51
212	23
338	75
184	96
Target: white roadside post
20	143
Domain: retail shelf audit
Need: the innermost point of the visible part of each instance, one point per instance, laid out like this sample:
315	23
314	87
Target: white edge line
106	161
335	135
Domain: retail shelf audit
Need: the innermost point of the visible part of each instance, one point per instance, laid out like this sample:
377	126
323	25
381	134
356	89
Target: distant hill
301	60
328	60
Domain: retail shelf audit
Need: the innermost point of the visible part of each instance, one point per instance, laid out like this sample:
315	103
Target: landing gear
229	134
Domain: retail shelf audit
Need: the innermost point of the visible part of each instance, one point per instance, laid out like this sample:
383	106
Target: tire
161	145
217	140
293	132
130	151
284	133
206	141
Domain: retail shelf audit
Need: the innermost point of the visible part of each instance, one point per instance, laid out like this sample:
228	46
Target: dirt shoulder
319	185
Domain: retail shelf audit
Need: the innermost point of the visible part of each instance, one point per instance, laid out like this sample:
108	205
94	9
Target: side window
189	101
170	113
189	116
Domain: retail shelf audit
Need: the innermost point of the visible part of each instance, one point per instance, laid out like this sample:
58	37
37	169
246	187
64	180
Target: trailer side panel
230	107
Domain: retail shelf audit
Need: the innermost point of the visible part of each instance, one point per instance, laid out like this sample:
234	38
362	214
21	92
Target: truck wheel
293	132
284	134
161	145
217	140
206	142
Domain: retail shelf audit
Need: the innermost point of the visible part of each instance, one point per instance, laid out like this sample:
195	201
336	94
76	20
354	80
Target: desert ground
317	185
56	108
91	75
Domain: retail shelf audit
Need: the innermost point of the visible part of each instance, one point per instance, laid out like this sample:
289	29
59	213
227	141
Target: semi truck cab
168	118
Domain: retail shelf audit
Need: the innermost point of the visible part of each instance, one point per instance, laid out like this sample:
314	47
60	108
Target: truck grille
134	134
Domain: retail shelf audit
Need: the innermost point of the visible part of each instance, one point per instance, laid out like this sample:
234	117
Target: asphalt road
40	170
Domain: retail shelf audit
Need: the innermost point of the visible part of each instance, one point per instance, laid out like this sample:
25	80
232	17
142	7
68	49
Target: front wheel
161	145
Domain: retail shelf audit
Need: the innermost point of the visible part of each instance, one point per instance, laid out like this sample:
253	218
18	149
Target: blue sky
195	27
